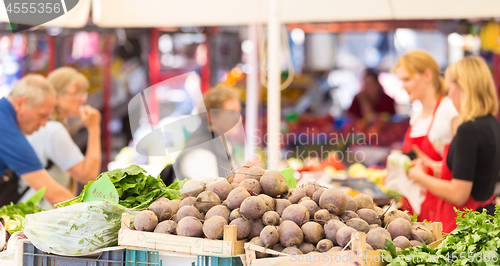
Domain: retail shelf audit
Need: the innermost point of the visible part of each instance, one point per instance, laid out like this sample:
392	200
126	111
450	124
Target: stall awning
166	13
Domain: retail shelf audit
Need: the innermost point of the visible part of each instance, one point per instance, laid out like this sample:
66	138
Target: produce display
12	219
79	227
136	189
475	241
269	214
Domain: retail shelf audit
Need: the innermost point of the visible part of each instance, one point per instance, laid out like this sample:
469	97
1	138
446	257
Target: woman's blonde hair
61	79
479	97
417	62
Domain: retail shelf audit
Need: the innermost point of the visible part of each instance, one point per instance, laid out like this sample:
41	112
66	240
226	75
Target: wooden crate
357	256
188	245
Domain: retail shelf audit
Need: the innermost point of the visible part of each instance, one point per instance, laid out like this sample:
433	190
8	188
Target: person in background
431	127
26	108
372	99
471	168
53	143
205	154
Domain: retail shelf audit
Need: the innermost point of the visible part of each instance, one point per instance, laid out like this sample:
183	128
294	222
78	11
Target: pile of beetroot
310	218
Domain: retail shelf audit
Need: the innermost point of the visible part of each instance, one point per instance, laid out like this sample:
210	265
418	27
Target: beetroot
273	183
271	218
334	200
281	205
254	172
190	226
192	188
295	194
145	221
269	236
221	188
399	227
219	210
166	227
311	206
313	232
236	197
296	213
290	234
331	228
206	200
256	228
243	227
253	207
252	186
213	228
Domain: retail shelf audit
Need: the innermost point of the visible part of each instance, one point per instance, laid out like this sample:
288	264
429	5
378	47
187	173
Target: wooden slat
359	256
174	243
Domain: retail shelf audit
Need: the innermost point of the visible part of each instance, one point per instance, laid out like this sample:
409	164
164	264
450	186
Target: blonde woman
53	144
430	128
471	168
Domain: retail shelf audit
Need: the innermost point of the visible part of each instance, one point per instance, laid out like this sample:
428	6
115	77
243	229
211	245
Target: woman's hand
435	166
416	171
91	117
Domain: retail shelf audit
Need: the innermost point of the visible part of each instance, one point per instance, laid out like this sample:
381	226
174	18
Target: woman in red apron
428	207
470	170
419	74
445	210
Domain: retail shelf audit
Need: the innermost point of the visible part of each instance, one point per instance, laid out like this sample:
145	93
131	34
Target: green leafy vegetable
414	218
475	241
136	189
14	214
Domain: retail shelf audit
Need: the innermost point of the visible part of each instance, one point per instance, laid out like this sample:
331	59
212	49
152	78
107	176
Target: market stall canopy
76	17
167	13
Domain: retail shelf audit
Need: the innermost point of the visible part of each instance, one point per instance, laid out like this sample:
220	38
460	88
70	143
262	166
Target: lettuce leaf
136	189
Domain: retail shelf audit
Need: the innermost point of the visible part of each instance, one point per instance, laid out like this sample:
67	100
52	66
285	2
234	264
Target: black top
475	155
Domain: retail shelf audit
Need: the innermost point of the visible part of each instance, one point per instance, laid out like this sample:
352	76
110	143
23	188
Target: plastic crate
125	257
141	257
205	260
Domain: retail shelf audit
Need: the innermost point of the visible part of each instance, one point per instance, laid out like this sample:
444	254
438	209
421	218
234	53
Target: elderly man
28	106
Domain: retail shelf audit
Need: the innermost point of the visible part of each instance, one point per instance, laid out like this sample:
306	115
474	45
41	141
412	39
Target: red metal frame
106	135
155	76
51	47
205	70
154	72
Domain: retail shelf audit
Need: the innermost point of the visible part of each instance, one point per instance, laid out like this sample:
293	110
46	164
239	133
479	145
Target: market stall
252	216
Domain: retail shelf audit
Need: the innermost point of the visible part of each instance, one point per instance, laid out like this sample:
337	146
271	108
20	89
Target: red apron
428	209
445	213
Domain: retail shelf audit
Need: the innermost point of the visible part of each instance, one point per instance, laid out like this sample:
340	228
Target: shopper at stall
472	164
372	99
429	128
23	111
206	155
53	143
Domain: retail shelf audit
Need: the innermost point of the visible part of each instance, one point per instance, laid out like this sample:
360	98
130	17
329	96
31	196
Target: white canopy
168	13
164	13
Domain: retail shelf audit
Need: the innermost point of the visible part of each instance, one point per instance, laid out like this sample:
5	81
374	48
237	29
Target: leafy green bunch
475	241
14	214
136	189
